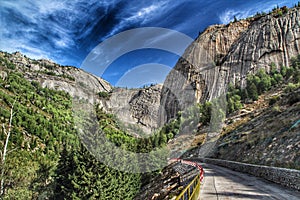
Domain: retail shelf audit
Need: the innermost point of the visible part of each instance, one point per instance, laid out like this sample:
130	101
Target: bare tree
7	132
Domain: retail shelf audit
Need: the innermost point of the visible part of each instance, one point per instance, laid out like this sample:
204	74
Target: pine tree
66	167
252	92
80	176
235	19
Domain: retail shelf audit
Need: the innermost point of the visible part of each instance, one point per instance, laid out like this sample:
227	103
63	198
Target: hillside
136	108
261	124
267	134
247	61
45	158
245	75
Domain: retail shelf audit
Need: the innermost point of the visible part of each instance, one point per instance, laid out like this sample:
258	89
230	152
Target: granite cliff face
136	108
225	54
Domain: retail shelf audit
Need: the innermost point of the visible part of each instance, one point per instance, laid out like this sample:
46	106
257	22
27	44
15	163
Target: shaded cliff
136	108
225	54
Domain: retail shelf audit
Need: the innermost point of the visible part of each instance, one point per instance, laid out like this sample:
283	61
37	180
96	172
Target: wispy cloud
48	25
139	15
229	15
249	10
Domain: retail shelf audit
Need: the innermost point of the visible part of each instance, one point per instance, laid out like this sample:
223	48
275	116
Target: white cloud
35	53
255	7
141	16
113	74
50	6
13	45
26	23
229	15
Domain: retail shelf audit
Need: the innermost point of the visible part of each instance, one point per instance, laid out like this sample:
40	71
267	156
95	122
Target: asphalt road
221	183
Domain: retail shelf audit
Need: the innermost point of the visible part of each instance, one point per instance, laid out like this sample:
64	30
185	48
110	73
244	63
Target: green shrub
283	71
50	73
296	76
103	94
285	9
279	13
295	62
11	66
289	72
252	92
278	78
71	78
205	110
290	87
273	81
234	103
50	67
264	85
273	68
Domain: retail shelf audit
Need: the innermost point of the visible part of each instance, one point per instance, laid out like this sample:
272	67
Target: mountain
256	134
136	108
219	56
53	76
250	62
44	156
225	54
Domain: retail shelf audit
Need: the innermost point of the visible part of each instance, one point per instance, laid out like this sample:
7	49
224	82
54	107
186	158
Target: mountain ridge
221	55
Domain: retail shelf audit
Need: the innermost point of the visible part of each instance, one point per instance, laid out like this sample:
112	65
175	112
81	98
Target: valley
233	95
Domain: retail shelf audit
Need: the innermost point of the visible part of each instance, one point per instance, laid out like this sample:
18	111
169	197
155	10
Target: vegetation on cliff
262	82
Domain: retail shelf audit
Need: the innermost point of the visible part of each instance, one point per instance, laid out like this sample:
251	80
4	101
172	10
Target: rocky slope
54	76
137	109
225	54
169	183
264	134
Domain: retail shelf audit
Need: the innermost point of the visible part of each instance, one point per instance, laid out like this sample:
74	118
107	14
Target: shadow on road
223	183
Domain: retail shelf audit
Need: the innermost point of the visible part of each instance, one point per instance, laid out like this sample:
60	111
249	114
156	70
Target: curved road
221	183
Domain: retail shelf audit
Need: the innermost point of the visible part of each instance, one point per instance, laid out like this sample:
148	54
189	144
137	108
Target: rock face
51	75
136	108
225	54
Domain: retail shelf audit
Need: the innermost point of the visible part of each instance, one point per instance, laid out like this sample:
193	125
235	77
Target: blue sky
66	31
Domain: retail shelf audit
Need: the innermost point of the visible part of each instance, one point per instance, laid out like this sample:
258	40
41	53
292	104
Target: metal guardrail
192	190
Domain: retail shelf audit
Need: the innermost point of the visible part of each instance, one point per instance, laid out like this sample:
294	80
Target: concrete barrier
286	177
